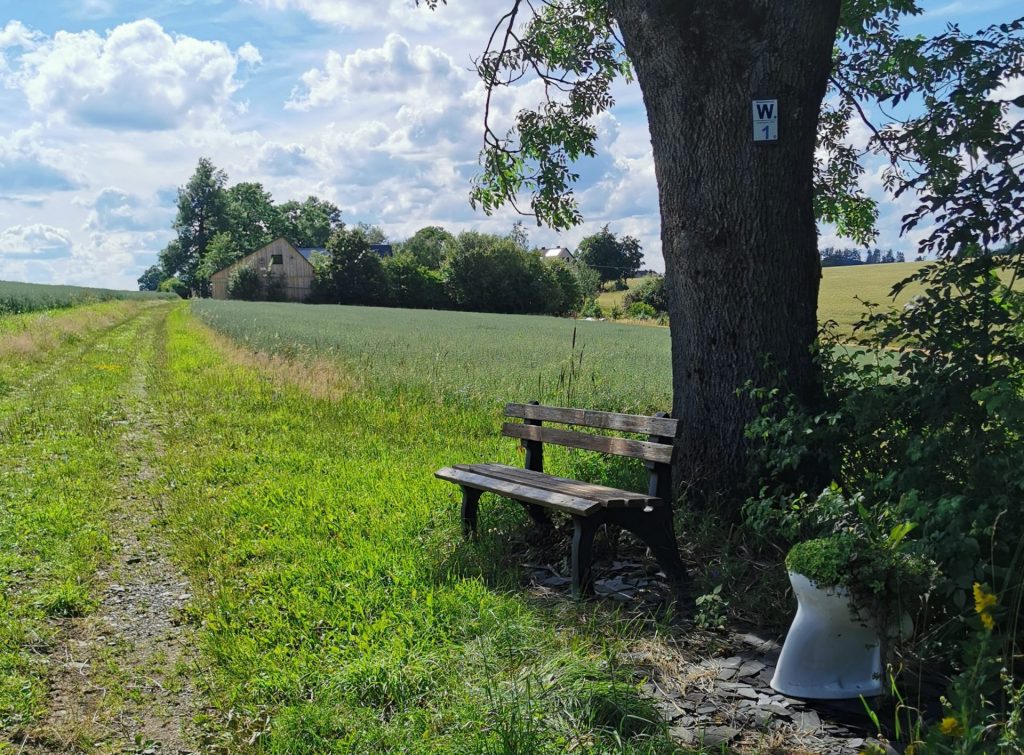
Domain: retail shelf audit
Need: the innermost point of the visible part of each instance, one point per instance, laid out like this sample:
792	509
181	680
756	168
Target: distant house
557	253
384	250
279	257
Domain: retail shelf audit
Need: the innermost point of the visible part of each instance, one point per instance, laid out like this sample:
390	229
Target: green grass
843	288
840	289
337	599
608	299
18	298
59	426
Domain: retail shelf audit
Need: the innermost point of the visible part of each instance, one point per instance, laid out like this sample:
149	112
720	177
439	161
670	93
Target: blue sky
106	106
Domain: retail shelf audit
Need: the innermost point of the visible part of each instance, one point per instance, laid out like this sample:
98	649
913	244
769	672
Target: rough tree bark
737	221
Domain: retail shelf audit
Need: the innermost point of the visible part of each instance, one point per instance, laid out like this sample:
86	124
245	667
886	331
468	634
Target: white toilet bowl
831	652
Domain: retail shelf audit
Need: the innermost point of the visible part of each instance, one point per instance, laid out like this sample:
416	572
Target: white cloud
136	76
37	241
28	168
115	210
16	34
285	159
394	71
248	53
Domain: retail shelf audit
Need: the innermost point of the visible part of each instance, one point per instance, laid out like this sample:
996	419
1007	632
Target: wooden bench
647	515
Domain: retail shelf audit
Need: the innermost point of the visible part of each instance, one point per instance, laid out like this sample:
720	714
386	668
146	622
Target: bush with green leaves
592	309
174	285
246	283
924	418
412	284
485	273
350	272
649	291
639	310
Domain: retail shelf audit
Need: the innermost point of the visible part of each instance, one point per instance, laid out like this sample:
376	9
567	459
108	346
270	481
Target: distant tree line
435	269
217	224
832	257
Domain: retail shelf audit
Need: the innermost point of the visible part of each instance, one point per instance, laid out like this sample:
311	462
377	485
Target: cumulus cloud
284	159
135	76
16	34
117	210
393	71
248	53
28	168
36	241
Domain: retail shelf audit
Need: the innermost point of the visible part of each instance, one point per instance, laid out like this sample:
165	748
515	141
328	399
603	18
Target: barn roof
309	251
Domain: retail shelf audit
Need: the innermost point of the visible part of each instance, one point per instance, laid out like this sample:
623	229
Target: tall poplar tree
202	214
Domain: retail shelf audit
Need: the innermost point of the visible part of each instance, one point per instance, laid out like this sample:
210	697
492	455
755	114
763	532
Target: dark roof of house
384	250
309	251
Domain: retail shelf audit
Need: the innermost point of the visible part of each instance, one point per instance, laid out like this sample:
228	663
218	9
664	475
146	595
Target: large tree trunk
737	220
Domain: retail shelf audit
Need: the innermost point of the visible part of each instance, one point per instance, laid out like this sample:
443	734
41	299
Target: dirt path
122	678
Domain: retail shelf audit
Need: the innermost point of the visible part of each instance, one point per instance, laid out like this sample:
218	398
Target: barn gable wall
297	271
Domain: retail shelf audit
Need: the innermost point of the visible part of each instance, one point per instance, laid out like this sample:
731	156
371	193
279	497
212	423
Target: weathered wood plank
629	423
609	497
567	503
638	449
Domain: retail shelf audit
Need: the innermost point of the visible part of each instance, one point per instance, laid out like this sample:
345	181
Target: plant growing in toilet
857	587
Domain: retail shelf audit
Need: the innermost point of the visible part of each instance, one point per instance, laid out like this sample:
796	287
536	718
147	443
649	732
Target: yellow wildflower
951	727
983	602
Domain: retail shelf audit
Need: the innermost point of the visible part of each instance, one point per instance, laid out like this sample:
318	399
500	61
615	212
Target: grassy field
289	454
18	298
841	287
335	604
462	358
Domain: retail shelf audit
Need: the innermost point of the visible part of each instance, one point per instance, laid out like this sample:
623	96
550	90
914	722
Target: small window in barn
277	259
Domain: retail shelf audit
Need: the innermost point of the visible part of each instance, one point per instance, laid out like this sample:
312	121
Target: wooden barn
277	258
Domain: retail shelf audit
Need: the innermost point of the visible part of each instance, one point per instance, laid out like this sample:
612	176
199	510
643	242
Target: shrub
350	273
638	310
650	291
924	418
274	288
174	285
245	283
570	296
485	273
412	284
592	309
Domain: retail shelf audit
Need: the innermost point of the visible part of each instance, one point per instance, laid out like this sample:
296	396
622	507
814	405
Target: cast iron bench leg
657	532
538	515
582	554
470	502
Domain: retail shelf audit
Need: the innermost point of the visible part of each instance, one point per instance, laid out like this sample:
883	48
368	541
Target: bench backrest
657	449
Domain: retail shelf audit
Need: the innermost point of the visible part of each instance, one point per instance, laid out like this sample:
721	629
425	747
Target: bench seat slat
639	449
567	503
609	497
630	423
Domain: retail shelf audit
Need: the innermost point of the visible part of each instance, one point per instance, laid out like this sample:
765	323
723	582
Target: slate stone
682	733
750	668
715	736
807	720
724	674
554	581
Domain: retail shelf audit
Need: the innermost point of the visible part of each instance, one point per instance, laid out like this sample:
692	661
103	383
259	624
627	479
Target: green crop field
17	298
463	357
